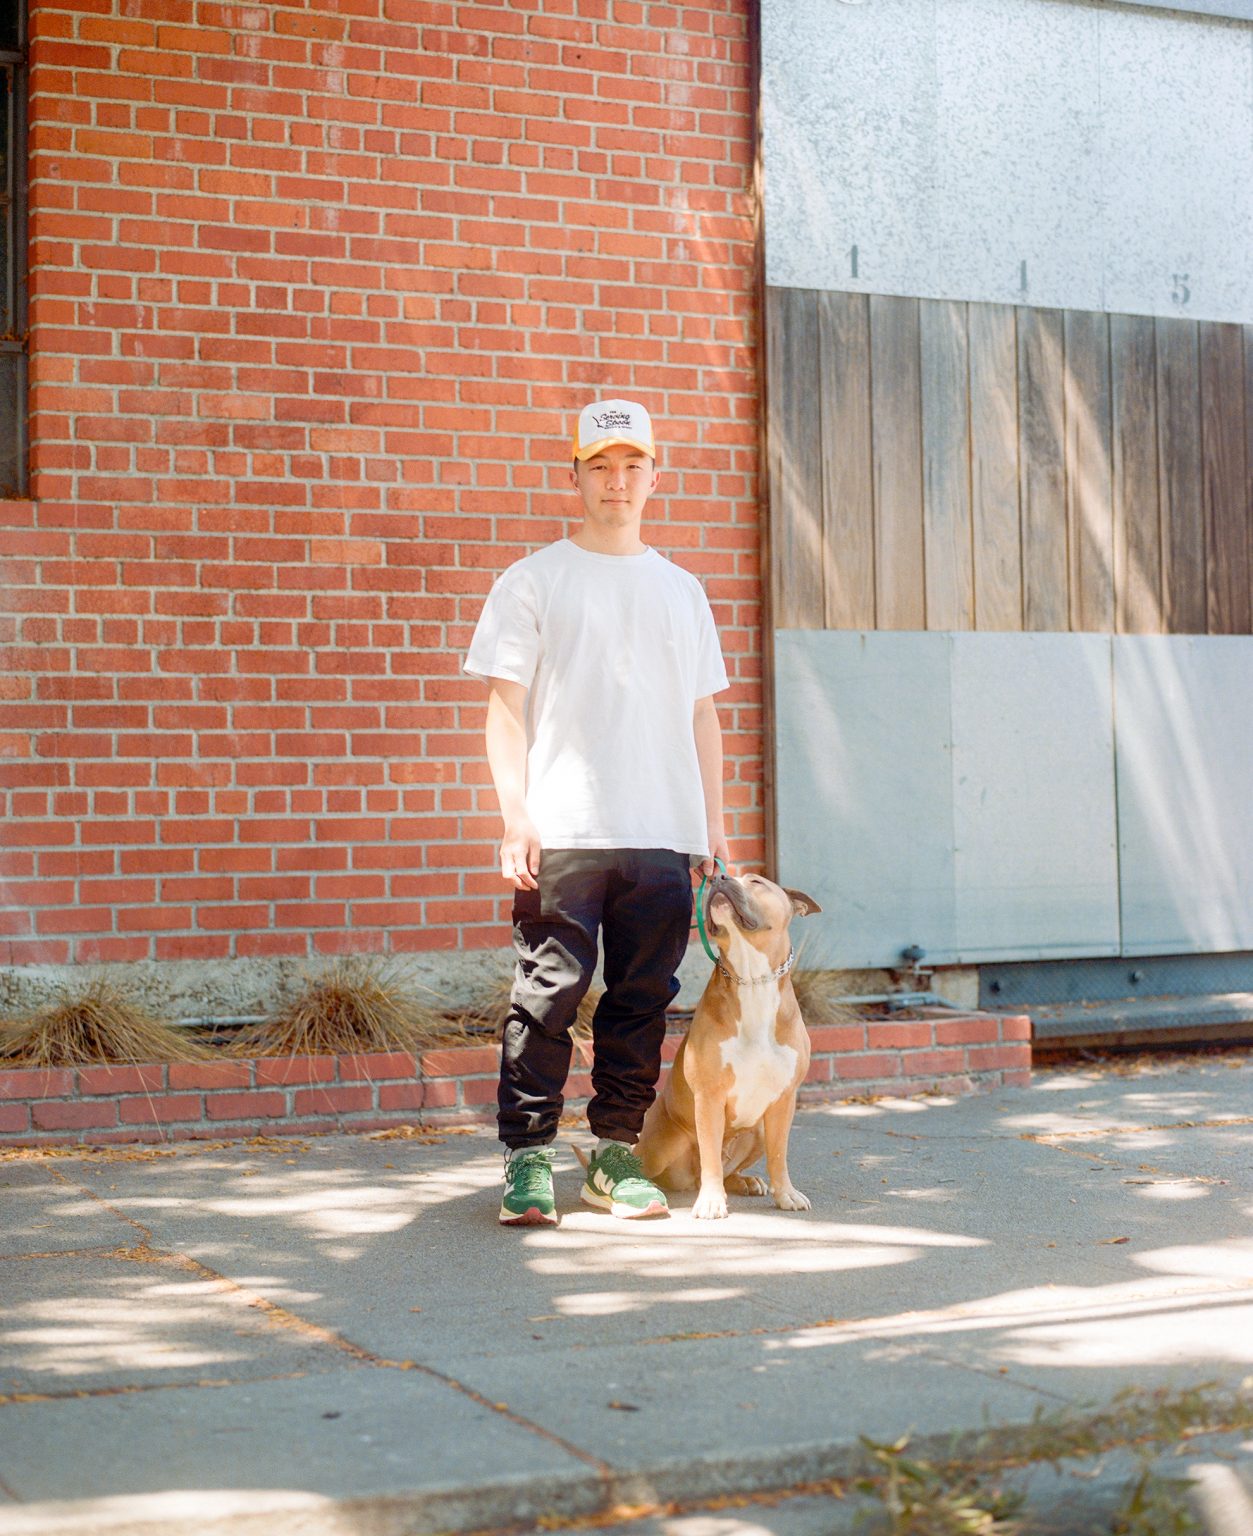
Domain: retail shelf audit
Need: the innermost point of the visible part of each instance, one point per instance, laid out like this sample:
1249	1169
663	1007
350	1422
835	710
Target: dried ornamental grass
488	1012
99	1023
819	994
485	1013
353	1007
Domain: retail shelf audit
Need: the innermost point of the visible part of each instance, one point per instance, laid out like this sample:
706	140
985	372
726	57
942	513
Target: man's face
614	485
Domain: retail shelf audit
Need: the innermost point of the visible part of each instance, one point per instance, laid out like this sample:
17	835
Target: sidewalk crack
143	1252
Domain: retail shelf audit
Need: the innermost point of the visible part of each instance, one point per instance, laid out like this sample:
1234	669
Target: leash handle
700	912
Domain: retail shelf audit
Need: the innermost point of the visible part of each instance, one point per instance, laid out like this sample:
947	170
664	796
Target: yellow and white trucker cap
606	422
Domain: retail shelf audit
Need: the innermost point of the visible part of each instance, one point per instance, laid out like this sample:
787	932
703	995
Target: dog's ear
802	905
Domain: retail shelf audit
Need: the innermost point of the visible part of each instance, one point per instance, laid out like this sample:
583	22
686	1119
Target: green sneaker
528	1199
616	1183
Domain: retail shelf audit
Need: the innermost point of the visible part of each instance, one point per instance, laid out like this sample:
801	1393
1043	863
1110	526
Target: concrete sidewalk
336	1336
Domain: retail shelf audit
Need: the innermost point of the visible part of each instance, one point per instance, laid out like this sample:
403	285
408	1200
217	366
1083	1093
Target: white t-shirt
615	650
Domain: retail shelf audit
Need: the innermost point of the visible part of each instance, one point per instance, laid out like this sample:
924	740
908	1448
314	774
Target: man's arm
506	757
708	733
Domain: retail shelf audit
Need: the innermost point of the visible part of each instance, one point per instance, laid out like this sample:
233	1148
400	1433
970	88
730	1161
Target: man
606	752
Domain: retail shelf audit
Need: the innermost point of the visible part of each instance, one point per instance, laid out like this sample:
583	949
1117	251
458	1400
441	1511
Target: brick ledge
311	1095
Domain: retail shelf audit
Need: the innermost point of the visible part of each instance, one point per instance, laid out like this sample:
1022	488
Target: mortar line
1052	1138
98	1252
135	1388
145	1232
1122	1161
144	1252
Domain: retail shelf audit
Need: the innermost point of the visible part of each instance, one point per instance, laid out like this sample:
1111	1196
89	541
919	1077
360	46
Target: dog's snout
735	893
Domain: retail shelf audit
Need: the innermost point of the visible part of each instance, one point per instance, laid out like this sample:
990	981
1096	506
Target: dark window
12	248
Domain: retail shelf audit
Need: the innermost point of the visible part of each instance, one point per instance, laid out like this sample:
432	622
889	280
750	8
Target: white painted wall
1108	147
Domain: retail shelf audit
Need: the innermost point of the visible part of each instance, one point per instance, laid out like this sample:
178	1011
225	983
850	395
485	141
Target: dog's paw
790	1199
711	1205
746	1184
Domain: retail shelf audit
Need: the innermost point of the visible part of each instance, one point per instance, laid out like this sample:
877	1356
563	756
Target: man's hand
520	856
718	850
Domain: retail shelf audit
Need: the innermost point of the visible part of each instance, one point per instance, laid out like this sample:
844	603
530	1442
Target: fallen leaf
623	1407
1109	1242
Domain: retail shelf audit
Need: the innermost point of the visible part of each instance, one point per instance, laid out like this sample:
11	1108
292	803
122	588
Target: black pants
641	901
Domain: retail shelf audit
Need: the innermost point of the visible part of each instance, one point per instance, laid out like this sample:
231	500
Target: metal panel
1185	745
864	791
1033	795
1066	982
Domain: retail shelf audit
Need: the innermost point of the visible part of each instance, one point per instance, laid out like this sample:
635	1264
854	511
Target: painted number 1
852	257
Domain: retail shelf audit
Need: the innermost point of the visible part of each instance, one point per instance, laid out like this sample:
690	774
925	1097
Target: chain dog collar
752	981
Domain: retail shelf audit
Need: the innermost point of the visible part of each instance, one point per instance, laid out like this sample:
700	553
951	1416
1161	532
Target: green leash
700	913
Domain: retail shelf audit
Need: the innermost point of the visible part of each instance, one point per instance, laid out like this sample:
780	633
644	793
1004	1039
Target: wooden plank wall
947	466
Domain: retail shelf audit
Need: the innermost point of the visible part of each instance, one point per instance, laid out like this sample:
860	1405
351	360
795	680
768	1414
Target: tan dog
731	1093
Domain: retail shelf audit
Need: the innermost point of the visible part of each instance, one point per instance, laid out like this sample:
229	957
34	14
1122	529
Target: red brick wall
315	290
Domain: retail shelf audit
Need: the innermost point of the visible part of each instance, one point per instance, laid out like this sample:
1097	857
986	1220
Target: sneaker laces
529	1172
621	1164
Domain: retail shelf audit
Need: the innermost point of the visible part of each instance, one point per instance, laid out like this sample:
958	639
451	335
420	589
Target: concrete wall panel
1177	144
865	814
1018	171
1185	770
1034	814
932	147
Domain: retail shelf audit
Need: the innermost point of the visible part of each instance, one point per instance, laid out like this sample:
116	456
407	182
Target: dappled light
331	1213
1175	1335
86	1335
68	1351
715	1525
745	1244
1004	1253
1149	1323
1183	1189
196	1508
1230	1259
885	1108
